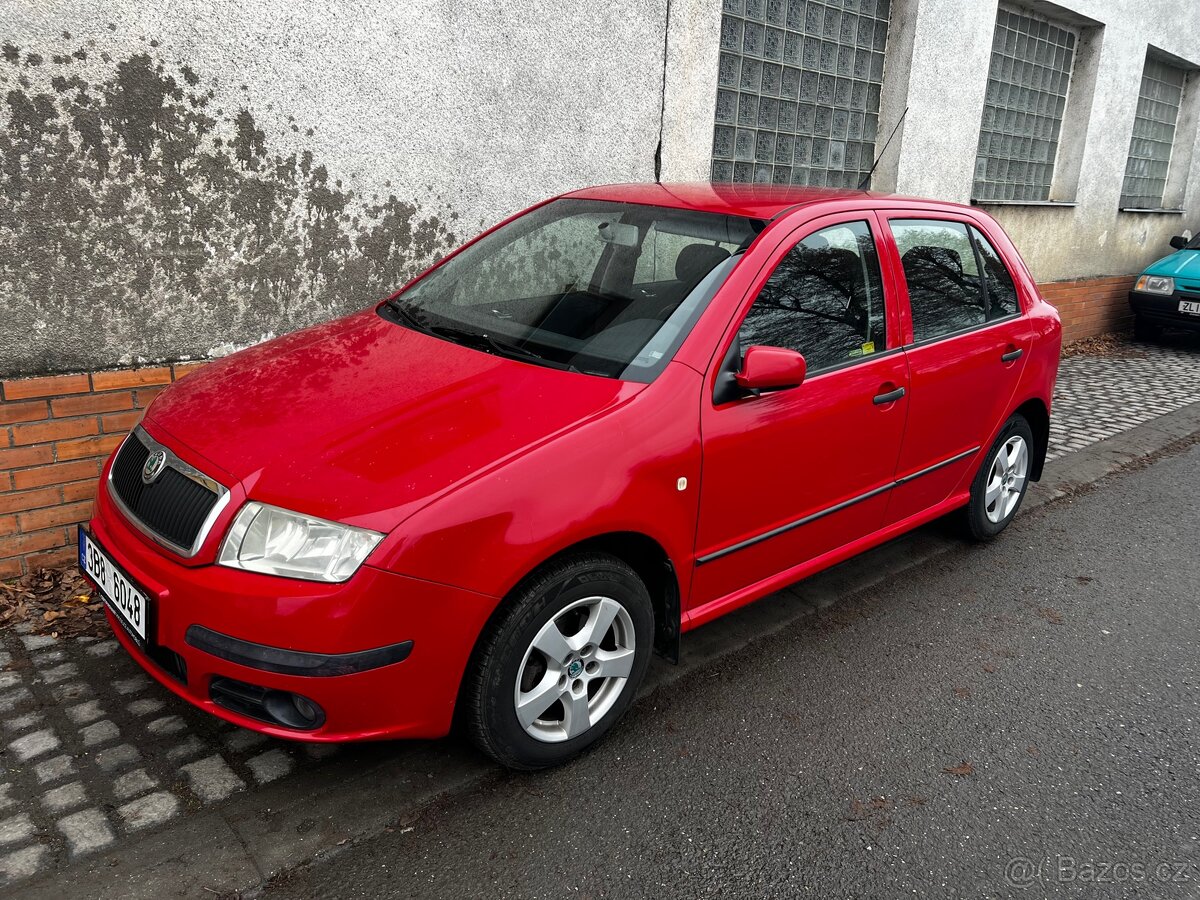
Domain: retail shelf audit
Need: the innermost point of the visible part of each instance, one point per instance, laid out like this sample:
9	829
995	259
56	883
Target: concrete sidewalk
112	786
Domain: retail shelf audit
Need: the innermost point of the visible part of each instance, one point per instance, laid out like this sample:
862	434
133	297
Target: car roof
758	201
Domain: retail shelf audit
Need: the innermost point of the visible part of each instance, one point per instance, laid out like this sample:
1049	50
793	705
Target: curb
237	848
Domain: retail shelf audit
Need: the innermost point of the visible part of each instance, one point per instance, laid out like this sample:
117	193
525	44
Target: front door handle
1011	355
889	397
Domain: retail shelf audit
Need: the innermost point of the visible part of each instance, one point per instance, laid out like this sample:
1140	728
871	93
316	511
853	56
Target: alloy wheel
575	669
1006	480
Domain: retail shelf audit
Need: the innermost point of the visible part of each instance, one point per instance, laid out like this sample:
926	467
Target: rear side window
1001	292
945	292
824	299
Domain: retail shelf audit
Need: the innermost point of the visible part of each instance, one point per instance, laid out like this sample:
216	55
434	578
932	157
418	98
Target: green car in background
1167	295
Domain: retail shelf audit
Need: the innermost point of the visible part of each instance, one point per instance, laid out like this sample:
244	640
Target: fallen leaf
962	693
960	771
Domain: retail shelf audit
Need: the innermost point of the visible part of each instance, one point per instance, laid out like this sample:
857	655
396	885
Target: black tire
978	521
1145	331
489	694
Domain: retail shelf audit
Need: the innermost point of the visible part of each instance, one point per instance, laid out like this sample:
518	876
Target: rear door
967	341
794	474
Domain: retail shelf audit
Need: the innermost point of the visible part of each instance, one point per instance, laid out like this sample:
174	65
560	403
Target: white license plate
123	597
1190	306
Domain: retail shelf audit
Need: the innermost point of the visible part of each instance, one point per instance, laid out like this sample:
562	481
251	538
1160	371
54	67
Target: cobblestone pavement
94	752
1099	396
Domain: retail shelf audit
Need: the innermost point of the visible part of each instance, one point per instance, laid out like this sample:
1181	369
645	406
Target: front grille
173	506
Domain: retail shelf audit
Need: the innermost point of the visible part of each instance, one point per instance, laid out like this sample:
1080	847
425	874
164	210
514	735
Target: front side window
591	286
824	300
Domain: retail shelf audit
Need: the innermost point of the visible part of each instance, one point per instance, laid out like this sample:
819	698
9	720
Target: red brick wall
55	434
1091	306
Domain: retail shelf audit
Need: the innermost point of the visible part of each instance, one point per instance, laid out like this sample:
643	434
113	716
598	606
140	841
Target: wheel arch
640	552
1037	415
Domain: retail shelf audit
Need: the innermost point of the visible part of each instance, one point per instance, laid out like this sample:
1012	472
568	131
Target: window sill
1162	211
1066	204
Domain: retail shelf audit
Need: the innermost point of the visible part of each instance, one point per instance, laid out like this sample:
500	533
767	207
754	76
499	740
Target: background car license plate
1190	306
122	595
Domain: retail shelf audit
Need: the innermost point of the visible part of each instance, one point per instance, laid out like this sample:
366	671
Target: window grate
1159	100
1022	114
798	91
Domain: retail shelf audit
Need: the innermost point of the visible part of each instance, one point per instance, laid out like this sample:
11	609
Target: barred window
1023	109
1153	135
798	91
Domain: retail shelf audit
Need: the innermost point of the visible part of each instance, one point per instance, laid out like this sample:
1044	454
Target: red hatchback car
608	420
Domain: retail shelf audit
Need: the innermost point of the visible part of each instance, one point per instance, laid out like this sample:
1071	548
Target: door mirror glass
771	369
1178	242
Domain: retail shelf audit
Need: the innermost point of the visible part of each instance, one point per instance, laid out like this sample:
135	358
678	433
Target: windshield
602	288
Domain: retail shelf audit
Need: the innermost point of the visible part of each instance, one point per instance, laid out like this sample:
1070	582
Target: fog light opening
293	710
267	705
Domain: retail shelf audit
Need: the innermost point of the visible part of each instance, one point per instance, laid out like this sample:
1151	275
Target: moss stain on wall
141	221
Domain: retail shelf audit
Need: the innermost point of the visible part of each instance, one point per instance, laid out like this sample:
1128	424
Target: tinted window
945	291
825	299
1001	292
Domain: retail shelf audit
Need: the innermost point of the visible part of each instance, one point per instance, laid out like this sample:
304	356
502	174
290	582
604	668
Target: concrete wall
180	178
938	53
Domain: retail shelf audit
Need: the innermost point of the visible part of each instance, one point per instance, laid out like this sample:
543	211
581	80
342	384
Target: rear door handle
889	397
1011	355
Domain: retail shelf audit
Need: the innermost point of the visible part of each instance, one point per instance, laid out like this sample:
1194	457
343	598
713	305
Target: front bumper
353	626
1163	309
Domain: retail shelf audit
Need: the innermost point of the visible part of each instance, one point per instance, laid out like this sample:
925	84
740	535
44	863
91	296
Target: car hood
364	421
1183	264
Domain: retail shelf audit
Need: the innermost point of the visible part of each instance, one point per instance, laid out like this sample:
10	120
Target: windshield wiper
489	344
410	318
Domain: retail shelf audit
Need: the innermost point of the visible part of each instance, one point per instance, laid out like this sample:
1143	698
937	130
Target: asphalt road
1016	719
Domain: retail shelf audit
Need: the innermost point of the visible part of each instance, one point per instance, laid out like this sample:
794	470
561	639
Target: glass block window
1153	135
1022	113
798	91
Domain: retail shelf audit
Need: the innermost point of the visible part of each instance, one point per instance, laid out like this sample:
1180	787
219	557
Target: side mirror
771	369
1178	242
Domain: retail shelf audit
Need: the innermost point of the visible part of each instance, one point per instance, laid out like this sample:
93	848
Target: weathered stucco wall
178	178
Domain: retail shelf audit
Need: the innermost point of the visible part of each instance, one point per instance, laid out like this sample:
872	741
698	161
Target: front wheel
561	666
1002	480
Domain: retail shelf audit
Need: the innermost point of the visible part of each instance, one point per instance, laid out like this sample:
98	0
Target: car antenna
862	185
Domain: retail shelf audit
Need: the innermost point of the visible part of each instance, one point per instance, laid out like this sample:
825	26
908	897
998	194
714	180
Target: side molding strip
775	532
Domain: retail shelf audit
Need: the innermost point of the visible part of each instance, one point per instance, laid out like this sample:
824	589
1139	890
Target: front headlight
1155	284
275	541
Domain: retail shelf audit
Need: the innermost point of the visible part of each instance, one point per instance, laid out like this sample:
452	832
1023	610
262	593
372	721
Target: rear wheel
1144	330
563	664
1002	480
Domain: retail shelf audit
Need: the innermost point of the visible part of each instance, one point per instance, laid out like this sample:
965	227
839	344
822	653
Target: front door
794	474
